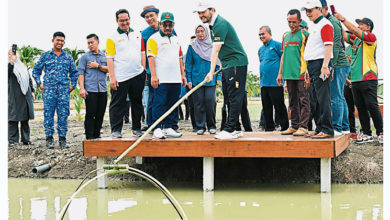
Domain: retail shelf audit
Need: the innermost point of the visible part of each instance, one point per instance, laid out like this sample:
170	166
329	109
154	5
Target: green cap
167	16
303	23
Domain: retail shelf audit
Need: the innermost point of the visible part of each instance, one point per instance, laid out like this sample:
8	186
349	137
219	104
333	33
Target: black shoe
145	128
49	142
62	141
27	143
137	133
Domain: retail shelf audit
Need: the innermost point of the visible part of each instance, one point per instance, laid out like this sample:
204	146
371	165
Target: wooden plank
259	144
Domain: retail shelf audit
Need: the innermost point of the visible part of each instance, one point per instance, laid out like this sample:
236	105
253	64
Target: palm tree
29	55
75	53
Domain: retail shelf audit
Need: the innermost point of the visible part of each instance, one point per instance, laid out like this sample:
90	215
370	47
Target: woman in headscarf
20	100
197	66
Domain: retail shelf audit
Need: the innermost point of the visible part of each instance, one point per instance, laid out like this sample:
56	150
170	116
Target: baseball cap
167	16
366	21
323	3
303	23
309	4
149	8
202	6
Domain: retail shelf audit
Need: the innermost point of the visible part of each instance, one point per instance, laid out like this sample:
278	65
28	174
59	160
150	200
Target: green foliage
78	102
29	55
75	53
253	85
38	93
75	95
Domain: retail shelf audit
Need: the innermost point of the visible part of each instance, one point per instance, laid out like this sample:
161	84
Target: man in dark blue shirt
272	95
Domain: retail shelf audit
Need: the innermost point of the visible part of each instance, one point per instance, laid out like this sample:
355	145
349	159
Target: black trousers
127	112
245	118
313	113
134	88
321	97
95	107
13	131
273	97
366	101
191	108
351	107
233	87
205	107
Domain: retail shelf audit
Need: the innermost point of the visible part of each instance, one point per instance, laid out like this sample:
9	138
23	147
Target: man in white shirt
167	75
318	52
125	53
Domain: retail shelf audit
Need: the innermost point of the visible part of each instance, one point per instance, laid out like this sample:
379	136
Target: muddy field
358	164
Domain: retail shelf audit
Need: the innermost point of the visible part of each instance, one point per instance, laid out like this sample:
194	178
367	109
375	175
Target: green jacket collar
121	32
318	19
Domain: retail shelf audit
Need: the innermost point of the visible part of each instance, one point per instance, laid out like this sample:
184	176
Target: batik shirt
59	70
363	62
293	46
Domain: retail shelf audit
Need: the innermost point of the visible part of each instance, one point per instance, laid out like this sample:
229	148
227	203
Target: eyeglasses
168	25
310	10
124	20
261	34
149	16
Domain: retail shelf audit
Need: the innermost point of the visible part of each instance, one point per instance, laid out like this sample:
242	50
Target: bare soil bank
357	164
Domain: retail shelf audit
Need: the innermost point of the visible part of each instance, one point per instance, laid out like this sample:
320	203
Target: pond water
44	199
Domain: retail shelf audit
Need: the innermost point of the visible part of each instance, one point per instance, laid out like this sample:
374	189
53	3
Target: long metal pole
162	118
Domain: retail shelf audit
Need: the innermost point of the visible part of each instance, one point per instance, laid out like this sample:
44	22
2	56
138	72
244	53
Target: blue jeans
145	100
339	105
165	96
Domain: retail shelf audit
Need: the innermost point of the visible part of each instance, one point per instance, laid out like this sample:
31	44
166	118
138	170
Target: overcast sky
35	22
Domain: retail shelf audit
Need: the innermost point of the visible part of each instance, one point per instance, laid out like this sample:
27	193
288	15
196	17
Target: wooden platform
253	144
260	144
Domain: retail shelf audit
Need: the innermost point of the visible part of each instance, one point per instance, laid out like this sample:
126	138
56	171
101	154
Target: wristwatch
99	66
343	19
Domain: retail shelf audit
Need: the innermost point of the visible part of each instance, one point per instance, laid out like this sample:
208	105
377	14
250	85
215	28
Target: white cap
309	4
202	6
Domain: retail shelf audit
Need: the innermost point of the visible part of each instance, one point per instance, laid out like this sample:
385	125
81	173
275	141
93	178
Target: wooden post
325	175
208	173
102	181
138	160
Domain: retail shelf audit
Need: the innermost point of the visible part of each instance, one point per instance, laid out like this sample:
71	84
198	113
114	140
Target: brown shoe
300	132
310	134
289	131
322	135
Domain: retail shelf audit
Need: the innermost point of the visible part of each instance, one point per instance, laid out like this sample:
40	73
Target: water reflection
43	199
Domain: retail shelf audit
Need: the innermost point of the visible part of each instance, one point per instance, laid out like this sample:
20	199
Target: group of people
311	62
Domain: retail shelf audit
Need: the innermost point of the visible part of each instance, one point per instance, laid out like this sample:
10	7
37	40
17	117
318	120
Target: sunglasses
168	25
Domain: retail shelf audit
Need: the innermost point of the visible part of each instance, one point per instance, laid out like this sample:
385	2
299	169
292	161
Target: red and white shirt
321	34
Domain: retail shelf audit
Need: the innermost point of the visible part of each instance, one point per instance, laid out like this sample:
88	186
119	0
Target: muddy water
44	199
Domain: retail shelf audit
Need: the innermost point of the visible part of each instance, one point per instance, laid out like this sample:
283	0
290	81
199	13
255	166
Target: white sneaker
169	132
238	134
158	133
336	133
225	135
346	132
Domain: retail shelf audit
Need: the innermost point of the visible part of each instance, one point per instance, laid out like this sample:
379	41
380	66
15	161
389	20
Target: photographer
364	76
20	100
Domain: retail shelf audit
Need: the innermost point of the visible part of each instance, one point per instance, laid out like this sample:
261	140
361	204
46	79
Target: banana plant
29	55
253	85
75	95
